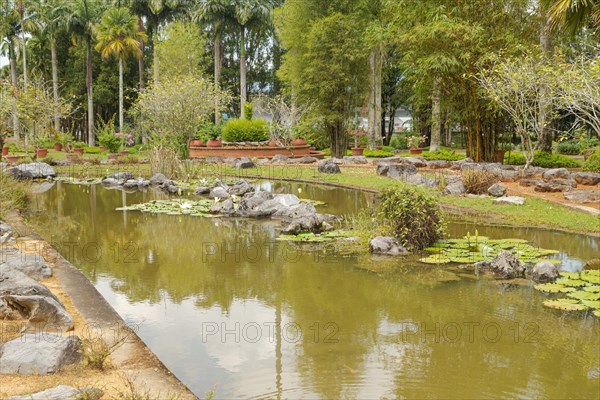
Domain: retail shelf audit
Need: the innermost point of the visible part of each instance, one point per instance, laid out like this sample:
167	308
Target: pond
224	305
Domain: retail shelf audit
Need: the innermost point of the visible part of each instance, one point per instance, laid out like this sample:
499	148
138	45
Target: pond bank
133	369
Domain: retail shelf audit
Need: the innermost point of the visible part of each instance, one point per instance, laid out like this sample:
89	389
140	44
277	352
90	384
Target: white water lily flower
185	205
299	190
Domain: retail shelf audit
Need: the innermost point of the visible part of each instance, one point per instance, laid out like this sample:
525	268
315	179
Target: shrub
377	153
478	181
592	164
568	147
542	159
243	130
442	154
209	131
388	148
92	150
80	144
13	195
398	142
111	141
411	215
248	111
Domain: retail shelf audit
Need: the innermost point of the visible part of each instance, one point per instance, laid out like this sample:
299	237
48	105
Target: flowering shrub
126	138
414	142
112	142
359	136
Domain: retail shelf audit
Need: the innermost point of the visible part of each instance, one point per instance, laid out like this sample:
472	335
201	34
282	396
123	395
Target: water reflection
221	302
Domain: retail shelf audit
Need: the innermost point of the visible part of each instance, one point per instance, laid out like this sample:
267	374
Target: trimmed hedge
442	154
568	147
541	159
243	130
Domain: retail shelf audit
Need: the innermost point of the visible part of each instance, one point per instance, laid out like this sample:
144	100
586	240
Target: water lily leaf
591	303
596	313
580	295
554	288
570	275
571	282
565	305
593	289
547	252
590	277
435	259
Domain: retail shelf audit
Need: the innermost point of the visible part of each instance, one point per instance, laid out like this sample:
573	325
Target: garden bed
254	151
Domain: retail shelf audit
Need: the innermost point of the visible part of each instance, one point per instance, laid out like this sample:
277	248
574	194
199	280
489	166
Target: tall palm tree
250	14
83	15
50	15
21	9
118	35
9	32
216	13
571	15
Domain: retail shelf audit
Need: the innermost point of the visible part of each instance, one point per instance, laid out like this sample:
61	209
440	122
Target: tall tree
118	35
10	28
83	15
571	15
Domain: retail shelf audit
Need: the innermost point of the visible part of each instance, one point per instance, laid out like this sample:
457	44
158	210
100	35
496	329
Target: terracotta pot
299	142
196	143
58	146
357	151
272	143
113	156
78	150
12	159
500	156
124	152
102	149
5	151
417	150
41	153
214	143
73	156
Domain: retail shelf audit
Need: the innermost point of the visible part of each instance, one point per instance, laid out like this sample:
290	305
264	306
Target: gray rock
13	282
328	166
508	175
312	223
551	187
529	182
32	265
121	176
131	184
418	162
383	168
230	160
35	170
420	180
400	171
213	160
555	173
516	200
240	188
244	163
472	166
456	188
594	263
438	164
110	182
202	190
63	392
303	160
567	182
42	313
250	202
158	179
507	266
171	188
587	178
219	193
386	245
39	354
544	272
497	190
226	207
355	160
583	196
280	158
294	211
6	234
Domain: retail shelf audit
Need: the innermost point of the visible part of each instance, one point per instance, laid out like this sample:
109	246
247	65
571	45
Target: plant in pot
413	143
112	142
40	144
203	135
211	135
126	140
359	136
60	140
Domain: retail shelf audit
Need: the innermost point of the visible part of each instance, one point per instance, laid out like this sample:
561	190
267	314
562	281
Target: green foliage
568	147
209	131
542	159
399	142
592	164
111	141
377	153
412	215
181	51
92	150
442	154
244	130
14	194
248	110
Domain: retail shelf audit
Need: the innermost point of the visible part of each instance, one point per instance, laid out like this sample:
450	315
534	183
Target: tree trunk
13	77
375	67
141	66
22	13
90	93
155	59
55	84
121	93
218	68
242	71
338	140
544	132
436	114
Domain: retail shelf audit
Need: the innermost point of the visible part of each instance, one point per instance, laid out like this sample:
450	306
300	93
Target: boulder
328	166
507	266
249	203
594	263
32	265
566	182
497	190
516	200
455	188
110	182
312	223
226	207
400	171
280	158
418	162
202	190
6	234
240	188
544	272
355	160
587	178
386	245
555	173
438	164
159	179
473	166
121	176
529	182
383	168
63	392
303	160
244	163
42	312
213	159
219	193
34	170
35	354
13	282
551	187
508	175
583	196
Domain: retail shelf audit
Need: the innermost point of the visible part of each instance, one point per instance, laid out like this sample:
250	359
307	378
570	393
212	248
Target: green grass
13	194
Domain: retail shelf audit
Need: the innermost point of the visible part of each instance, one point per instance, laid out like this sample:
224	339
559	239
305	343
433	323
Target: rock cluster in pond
126	181
34	170
39	354
386	245
63	392
544	272
505	266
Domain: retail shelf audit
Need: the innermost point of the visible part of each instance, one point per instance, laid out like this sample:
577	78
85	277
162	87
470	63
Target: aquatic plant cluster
581	288
472	249
173	207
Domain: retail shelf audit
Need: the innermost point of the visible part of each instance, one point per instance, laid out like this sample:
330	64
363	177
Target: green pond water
224	305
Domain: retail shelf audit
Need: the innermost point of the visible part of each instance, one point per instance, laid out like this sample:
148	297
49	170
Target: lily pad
435	259
591	278
565	305
554	288
593	289
570	275
571	282
596	313
591	303
580	295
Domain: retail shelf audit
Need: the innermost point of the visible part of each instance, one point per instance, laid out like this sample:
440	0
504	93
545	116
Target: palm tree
570	15
118	35
250	14
83	15
21	10
9	32
216	13
50	15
